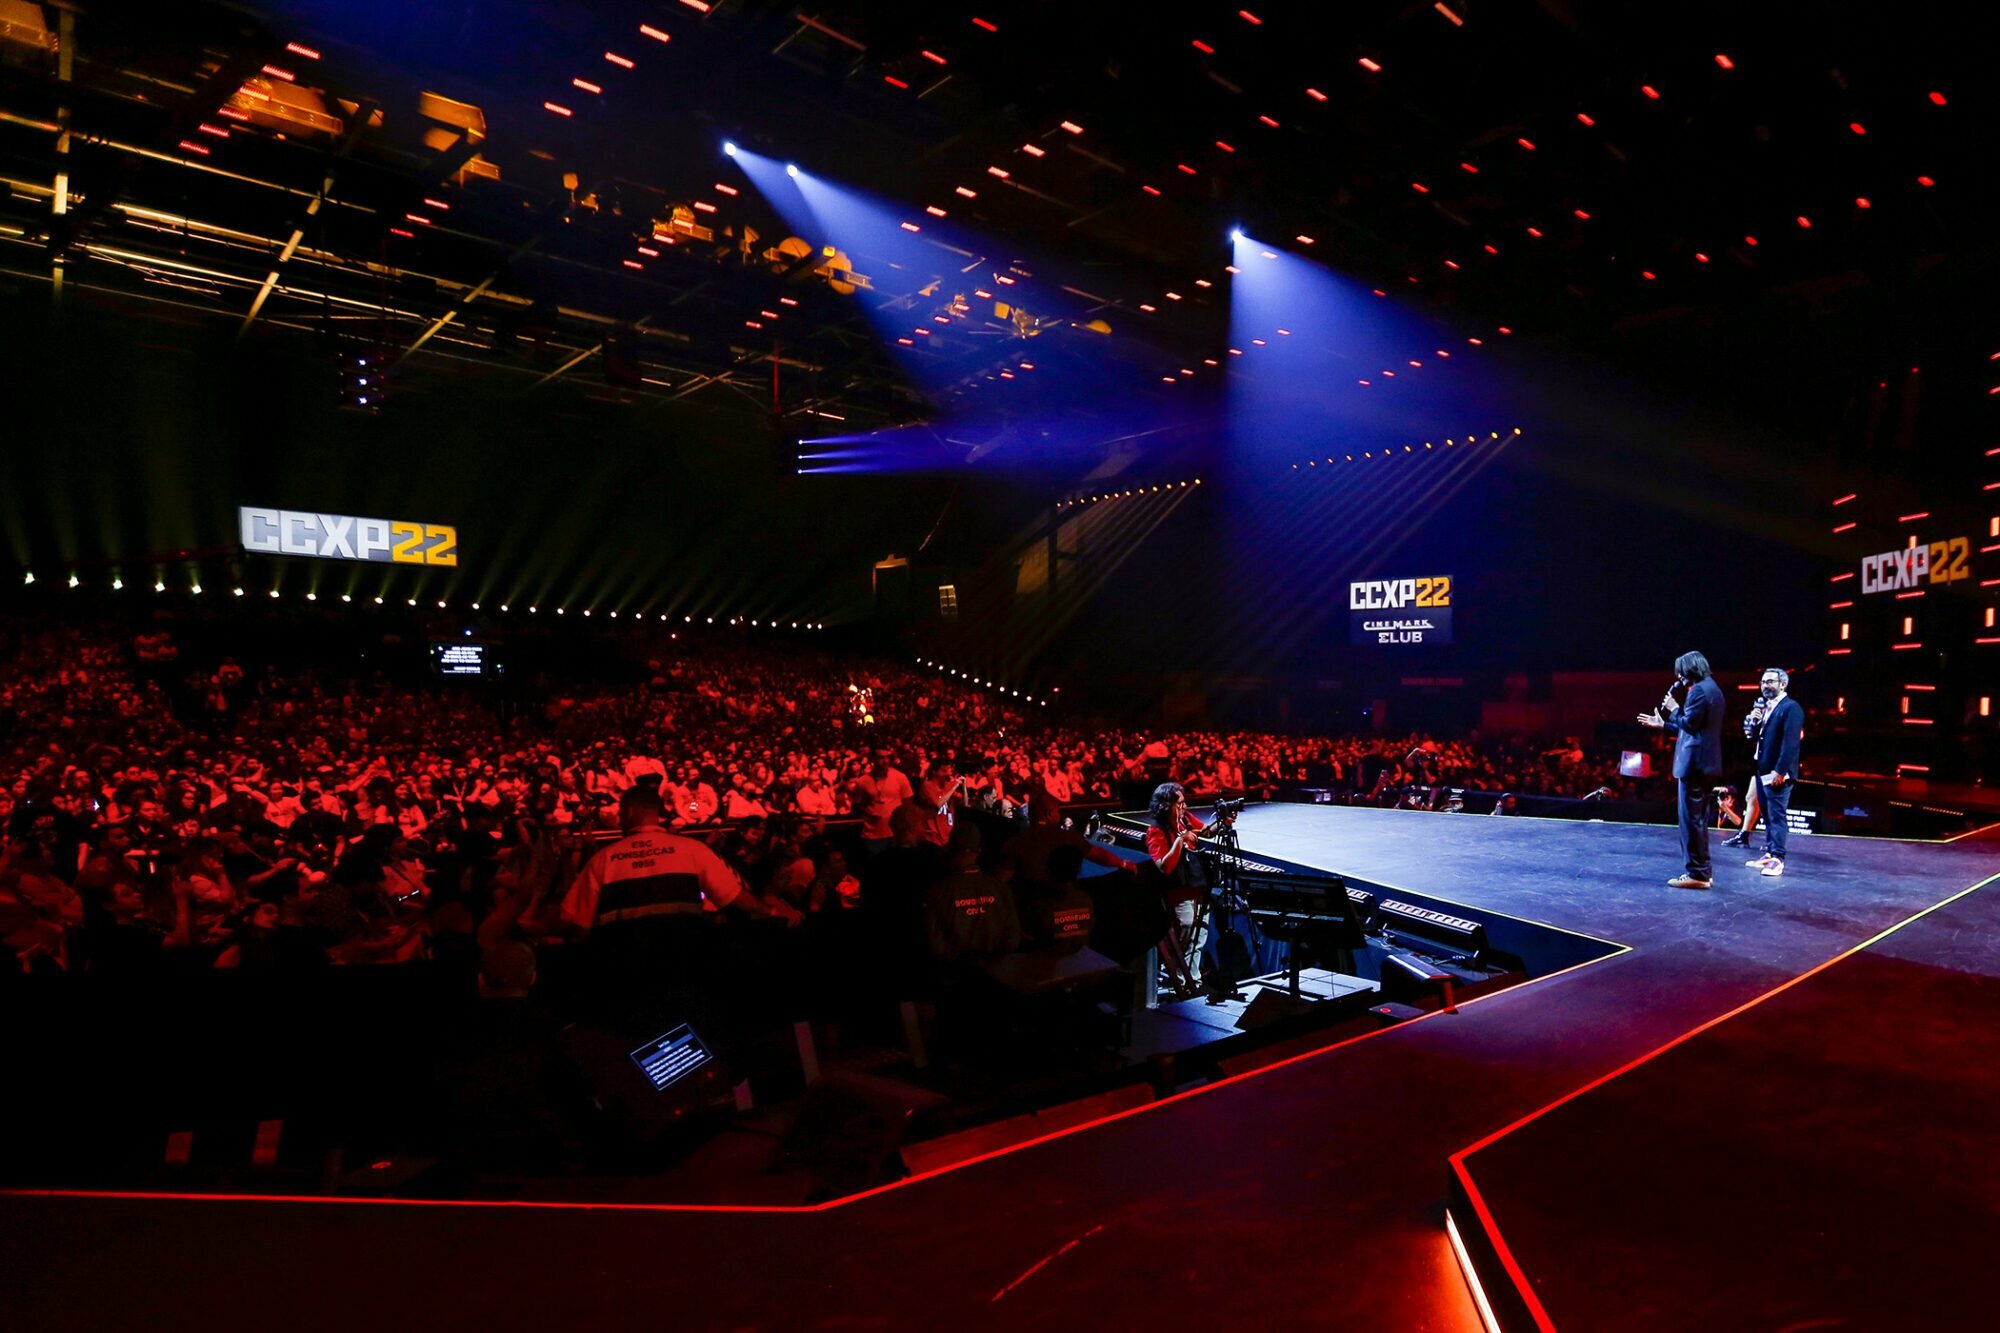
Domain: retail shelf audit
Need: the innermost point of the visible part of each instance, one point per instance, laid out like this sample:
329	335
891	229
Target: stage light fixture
1236	233
74	580
728	148
792	170
195	589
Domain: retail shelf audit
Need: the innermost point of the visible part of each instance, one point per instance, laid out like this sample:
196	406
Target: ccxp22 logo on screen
346	537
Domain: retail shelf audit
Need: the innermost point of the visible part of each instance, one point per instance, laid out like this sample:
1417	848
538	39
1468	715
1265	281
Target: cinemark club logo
346	537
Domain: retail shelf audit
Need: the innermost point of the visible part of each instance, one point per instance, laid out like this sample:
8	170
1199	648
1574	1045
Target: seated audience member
968	914
648	873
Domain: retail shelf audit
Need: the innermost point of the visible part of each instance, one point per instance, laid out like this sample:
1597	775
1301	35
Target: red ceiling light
1504	331
1149	309
1203	47
200	150
726	189
1937	99
1652	93
1805	223
618	60
633	263
934	211
308	53
1451	263
1000	172
649	252
1535	232
1525	144
910	226
1451	18
1185	169
1303	239
1580	215
282	74
894	82
703	206
417	218
1072	127
1648	275
1203	282
1724	62
1224	147
933	57
1861	201
1491	249
1477	342
1468	168
1583	119
1372	66
648	30
982	23
1034	150
1316	94
557	109
1420	187
1750	240
1926	182
217	130
586	85
1268	121
1857	127
1173	296
1249	18
438	204
1150	189
1700	258
969	194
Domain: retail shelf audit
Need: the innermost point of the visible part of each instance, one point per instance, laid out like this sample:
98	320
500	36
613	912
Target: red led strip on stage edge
1522	1286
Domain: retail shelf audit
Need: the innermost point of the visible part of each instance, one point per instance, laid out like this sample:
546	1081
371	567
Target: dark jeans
1775	801
1696	797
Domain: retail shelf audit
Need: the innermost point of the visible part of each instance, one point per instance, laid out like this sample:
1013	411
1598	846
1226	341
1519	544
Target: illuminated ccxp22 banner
1393	611
346	537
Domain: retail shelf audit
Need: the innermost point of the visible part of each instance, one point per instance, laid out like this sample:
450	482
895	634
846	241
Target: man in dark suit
1777	764
1697	725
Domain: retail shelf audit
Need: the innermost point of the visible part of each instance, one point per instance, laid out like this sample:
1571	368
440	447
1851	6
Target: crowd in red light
158	805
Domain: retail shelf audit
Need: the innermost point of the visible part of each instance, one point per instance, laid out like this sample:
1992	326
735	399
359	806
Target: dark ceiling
1678	184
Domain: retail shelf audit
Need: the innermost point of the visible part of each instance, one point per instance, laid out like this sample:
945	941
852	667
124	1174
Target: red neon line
1500	1247
1906	596
1838	577
1911	518
1843	499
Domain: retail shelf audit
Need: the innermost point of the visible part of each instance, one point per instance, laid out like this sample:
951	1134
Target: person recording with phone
1777	764
1697	728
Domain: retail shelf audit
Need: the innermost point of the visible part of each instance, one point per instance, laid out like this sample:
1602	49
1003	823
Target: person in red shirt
1172	840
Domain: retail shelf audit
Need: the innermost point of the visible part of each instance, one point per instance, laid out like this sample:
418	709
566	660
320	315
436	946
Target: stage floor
1308	1194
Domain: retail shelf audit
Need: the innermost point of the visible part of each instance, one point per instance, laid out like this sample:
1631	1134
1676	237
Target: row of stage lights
505	608
968	678
1079	500
1387	454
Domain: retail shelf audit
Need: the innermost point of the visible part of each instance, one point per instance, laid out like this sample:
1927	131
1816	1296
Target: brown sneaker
1687	882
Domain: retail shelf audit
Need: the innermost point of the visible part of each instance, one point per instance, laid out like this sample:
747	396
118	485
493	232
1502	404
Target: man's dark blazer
1698	727
1778	750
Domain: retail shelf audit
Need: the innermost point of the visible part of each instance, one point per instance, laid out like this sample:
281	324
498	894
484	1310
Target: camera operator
1777	765
1746	820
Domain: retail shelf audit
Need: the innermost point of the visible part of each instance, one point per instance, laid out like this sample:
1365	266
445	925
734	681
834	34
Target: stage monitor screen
463	658
668	1059
1389	612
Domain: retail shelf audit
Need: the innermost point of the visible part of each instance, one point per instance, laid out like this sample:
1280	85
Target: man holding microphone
1777	764
1697	725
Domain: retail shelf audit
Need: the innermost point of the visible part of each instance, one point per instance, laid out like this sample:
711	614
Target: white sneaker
1760	862
1773	867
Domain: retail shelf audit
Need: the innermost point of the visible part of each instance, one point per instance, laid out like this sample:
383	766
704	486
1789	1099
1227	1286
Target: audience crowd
157	807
